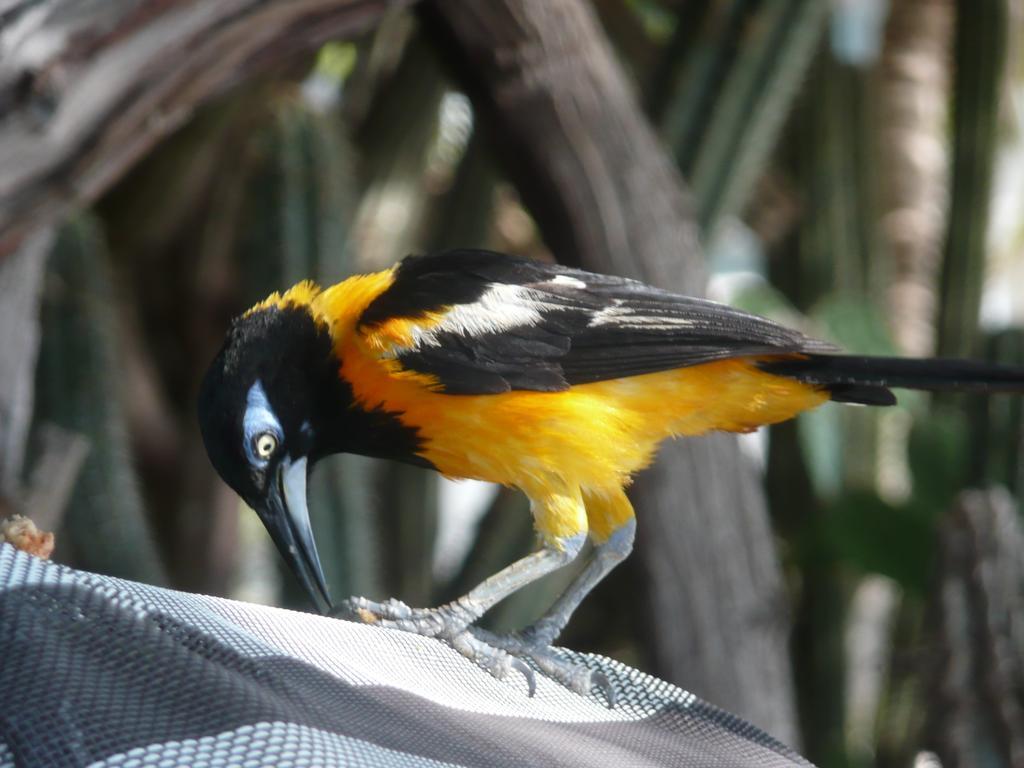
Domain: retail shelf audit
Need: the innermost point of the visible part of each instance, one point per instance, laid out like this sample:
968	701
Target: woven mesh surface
98	671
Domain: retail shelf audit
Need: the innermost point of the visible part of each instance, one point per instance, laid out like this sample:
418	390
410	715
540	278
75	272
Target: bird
553	380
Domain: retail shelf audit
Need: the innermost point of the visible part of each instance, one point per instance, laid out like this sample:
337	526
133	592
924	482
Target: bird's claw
600	681
528	673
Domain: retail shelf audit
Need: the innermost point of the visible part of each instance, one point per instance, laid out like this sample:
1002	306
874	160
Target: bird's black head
262	413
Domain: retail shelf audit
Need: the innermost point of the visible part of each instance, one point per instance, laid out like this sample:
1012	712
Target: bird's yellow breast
592	435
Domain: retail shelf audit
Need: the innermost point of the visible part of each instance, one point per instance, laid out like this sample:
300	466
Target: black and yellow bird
552	380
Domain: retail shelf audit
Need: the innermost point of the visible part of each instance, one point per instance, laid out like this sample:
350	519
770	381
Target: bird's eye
265	445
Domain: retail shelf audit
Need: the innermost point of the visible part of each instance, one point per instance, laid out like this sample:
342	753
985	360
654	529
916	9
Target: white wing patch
622	316
570	281
500	308
609	315
504	306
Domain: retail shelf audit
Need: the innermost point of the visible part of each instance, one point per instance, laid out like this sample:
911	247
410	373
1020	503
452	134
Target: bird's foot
495	660
531	644
447	622
444	621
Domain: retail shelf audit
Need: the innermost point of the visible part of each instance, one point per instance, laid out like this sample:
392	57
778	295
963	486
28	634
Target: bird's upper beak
286	516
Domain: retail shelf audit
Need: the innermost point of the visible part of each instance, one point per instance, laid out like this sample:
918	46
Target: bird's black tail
866	380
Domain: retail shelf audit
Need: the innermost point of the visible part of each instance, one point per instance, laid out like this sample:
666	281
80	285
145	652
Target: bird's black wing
484	323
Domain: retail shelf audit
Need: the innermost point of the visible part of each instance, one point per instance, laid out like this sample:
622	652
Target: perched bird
556	381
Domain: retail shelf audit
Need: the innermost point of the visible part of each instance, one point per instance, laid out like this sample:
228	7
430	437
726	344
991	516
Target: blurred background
853	167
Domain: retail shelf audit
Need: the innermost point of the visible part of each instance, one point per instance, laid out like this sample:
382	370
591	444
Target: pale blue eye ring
261	430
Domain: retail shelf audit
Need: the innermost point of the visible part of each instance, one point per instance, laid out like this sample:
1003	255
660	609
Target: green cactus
734	95
78	388
980	59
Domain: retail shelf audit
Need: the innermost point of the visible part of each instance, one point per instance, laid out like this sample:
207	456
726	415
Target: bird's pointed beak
286	517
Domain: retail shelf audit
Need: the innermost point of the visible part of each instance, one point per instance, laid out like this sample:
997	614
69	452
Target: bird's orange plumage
588	439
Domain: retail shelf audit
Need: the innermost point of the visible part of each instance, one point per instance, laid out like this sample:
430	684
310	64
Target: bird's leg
607	554
614	527
563	524
453	617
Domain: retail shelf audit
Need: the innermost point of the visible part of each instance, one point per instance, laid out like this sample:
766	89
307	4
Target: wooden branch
607	197
86	92
576	142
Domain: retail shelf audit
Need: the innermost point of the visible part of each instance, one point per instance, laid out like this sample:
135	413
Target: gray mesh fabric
103	672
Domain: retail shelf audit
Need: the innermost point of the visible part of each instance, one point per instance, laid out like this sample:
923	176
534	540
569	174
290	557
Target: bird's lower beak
286	517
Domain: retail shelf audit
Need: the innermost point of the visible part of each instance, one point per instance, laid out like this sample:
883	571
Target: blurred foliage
351	159
980	58
78	388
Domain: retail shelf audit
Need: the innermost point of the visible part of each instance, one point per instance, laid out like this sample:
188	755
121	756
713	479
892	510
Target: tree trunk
914	162
607	197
